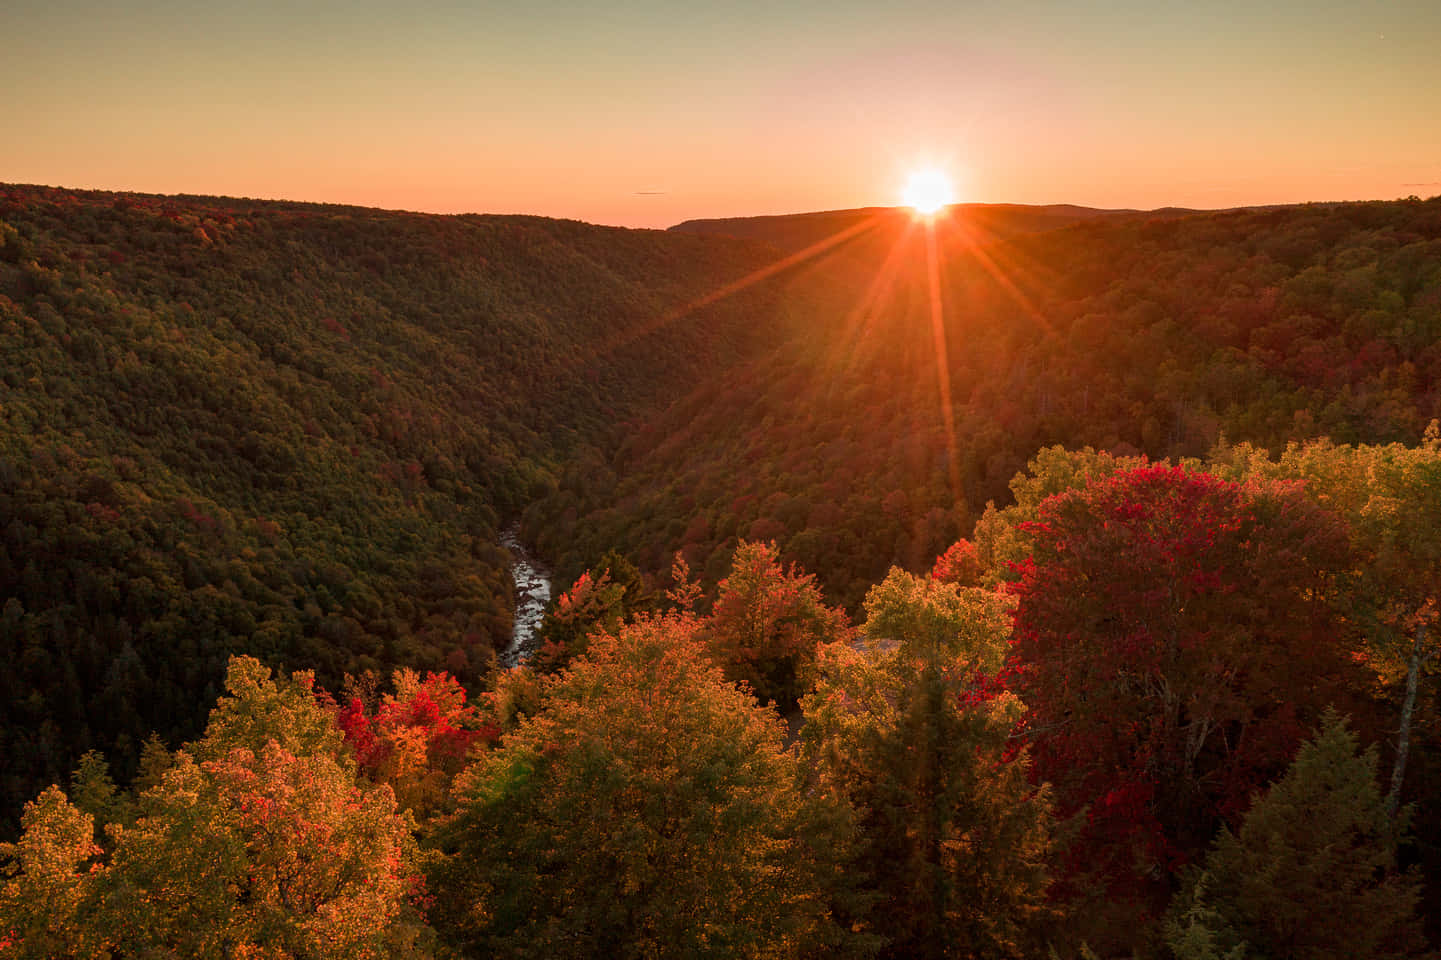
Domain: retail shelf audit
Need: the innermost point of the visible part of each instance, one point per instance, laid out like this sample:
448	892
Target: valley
501	486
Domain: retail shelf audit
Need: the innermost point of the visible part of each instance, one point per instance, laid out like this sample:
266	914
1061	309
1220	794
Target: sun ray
999	274
755	276
860	321
943	363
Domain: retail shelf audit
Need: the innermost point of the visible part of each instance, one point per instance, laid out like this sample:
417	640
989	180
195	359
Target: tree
1002	537
1311	874
592	604
418	739
92	790
1391	498
960	564
648	810
916	733
262	851
767	622
1173	635
255	841
45	880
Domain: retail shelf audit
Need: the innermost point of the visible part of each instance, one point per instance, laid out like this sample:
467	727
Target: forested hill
1154	334
292	430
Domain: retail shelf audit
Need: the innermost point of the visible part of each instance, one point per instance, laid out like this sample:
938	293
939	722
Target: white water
532	595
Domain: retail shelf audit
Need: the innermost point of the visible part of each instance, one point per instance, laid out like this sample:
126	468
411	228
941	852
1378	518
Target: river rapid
532	596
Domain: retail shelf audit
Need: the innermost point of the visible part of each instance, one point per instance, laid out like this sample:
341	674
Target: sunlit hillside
877	435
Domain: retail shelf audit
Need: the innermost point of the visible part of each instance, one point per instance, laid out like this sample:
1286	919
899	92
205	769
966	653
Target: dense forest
1157	336
1037	581
293	431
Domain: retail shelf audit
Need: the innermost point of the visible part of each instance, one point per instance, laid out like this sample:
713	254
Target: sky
650	112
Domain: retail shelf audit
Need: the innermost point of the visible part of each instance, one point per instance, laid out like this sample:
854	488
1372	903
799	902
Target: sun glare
927	191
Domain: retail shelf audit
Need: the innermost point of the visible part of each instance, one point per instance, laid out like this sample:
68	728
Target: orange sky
647	113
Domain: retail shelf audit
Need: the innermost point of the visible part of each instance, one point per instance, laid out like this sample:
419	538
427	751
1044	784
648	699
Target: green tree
1311	874
648	810
918	735
92	790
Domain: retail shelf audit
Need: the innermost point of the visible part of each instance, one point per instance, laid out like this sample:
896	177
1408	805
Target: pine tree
1311	874
916	733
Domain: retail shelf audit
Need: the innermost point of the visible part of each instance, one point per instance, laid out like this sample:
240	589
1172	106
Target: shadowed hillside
292	430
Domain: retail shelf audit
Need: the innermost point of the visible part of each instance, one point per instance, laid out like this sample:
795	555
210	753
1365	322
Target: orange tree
767	621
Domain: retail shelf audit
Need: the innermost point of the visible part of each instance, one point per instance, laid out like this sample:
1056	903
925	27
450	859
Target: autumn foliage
767	622
648	810
240	439
1175	636
257	840
418	738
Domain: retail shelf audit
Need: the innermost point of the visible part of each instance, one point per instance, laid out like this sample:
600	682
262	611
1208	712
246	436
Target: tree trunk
1403	740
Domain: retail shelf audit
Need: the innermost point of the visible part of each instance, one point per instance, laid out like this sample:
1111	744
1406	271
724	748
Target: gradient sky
646	113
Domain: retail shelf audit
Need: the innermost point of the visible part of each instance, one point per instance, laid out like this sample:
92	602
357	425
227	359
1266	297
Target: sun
927	191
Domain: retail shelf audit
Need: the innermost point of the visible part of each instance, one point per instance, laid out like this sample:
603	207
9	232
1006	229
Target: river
532	596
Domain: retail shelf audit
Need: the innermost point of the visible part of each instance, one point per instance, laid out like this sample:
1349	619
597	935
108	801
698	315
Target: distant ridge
796	231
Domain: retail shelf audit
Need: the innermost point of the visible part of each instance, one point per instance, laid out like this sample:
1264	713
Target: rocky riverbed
532	596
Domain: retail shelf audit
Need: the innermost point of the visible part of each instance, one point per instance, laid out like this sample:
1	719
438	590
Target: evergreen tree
917	734
1311	874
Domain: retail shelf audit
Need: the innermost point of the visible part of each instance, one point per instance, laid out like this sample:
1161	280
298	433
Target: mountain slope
293	430
854	449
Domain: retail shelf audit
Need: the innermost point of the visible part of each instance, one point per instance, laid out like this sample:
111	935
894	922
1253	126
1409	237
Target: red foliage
960	565
359	733
336	327
436	708
1173	639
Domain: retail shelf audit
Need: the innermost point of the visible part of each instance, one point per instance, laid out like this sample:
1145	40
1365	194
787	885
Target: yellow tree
1391	498
648	810
45	878
256	841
